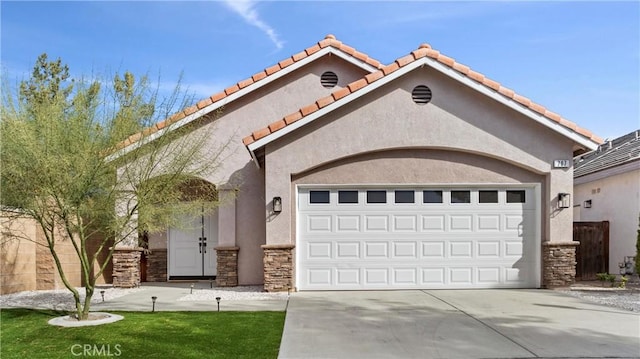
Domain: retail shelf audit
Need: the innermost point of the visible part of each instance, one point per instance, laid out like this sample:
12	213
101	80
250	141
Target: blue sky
579	59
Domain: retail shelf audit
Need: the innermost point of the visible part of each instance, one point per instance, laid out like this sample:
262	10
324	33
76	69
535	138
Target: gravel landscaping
253	292
60	299
628	299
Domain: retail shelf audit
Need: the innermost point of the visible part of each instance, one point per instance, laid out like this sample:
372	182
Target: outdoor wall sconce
153	304
102	294
587	203
564	200
218	300
277	204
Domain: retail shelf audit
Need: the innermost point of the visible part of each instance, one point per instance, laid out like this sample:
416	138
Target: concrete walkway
167	300
455	324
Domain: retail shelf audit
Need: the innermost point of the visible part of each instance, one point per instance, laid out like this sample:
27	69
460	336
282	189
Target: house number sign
561	163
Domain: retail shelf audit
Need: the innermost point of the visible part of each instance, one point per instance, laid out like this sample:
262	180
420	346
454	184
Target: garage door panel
405	276
376	250
488	249
433	223
376	276
433	249
348	223
318	223
459	223
376	223
348	250
319	250
404	223
404	250
461	249
488	222
417	245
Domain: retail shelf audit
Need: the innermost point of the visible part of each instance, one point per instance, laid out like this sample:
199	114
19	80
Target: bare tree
63	163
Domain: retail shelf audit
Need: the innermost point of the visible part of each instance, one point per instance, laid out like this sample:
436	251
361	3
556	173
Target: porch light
102	294
218	300
564	200
153	304
277	204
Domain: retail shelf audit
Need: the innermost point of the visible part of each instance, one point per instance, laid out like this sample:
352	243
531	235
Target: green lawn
24	333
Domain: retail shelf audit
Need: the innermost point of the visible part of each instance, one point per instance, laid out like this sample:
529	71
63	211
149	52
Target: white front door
191	247
418	238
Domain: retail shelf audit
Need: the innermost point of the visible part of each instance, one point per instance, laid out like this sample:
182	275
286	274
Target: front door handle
202	245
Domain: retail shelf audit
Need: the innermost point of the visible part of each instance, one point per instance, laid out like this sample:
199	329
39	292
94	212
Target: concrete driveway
455	324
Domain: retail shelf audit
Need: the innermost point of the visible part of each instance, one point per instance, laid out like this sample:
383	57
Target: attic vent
421	94
329	79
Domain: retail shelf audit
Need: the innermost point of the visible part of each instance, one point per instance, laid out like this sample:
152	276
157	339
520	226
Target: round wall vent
329	79
421	94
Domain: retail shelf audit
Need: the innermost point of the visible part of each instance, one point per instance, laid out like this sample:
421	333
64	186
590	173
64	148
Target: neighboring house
607	188
354	175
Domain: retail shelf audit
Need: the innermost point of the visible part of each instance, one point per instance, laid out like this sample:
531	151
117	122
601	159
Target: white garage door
410	238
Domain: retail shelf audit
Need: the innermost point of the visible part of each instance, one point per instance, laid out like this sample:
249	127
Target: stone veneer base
126	267
278	267
157	265
227	266
559	263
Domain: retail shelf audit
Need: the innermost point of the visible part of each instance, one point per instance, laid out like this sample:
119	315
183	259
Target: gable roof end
424	55
329	45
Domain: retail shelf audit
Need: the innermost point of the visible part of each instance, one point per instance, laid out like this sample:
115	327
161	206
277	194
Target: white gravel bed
60	299
253	292
623	299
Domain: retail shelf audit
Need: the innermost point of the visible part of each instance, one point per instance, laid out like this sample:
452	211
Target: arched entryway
184	248
192	237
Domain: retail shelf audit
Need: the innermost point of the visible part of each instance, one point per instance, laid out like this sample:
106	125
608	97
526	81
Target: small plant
606	277
623	281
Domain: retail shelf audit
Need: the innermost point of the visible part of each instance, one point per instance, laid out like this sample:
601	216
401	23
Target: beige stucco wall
17	257
615	199
240	118
25	260
458	120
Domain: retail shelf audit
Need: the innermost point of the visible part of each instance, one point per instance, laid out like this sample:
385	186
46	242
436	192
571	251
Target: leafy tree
64	165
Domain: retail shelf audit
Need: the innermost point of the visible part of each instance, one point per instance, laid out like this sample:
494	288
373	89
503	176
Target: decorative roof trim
328	46
448	66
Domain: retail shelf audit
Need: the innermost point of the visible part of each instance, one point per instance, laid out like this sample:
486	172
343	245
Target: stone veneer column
126	267
278	267
559	263
227	266
157	265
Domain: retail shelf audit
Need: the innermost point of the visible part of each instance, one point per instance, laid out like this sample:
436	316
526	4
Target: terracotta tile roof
328	41
424	51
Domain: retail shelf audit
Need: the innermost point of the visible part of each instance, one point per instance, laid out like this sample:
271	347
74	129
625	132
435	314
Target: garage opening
417	238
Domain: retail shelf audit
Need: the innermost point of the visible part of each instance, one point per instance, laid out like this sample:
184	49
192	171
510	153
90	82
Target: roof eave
242	92
557	127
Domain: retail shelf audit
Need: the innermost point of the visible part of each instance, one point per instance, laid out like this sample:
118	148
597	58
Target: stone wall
227	262
126	267
278	267
559	264
157	265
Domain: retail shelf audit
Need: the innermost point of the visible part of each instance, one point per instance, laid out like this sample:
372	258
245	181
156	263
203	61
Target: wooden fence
592	255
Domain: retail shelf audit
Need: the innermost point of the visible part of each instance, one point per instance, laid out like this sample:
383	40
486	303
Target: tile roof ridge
424	51
328	41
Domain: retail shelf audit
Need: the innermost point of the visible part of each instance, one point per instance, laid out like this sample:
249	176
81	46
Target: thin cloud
245	8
